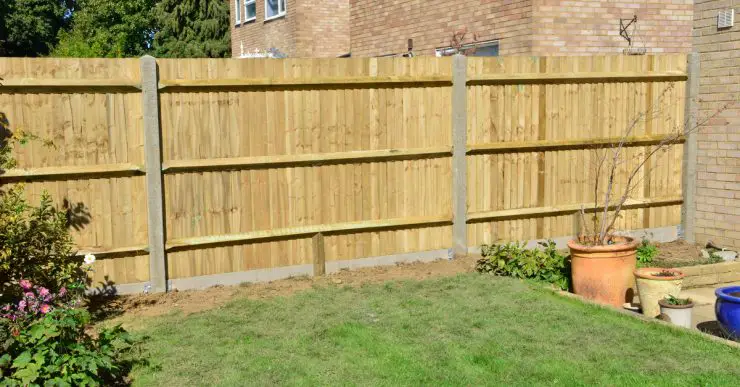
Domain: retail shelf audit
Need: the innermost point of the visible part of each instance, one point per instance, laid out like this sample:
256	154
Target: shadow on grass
104	302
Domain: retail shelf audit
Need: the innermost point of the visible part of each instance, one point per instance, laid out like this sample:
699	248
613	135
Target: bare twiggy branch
613	161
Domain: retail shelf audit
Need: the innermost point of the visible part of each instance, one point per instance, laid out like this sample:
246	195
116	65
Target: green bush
514	260
646	252
44	342
35	245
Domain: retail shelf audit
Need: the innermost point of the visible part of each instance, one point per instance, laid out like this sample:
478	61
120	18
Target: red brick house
330	28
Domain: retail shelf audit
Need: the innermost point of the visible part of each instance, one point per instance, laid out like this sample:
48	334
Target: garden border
709	275
660	234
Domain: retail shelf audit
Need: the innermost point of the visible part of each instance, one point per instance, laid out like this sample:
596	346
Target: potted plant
603	272
602	259
677	310
655	284
727	310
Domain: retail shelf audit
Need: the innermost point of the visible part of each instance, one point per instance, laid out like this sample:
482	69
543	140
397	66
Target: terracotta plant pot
676	314
604	273
653	285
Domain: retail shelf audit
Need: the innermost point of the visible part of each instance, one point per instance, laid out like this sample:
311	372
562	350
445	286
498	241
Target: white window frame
279	14
246	14
237	12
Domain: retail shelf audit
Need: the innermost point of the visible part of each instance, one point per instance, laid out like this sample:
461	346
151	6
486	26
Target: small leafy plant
673	300
515	260
646	252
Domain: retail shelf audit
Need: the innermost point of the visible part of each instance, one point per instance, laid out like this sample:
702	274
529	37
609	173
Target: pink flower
45	308
62	292
43	292
6	307
25	284
29	294
22	305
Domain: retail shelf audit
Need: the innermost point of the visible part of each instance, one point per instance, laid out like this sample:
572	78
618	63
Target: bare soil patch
129	308
679	253
147	305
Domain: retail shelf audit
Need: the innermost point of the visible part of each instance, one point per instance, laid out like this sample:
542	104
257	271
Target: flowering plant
44	340
35	302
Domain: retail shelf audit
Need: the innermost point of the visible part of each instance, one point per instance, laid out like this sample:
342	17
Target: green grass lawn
465	330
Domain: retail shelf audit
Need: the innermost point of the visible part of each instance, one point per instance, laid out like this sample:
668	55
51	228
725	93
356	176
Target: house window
472	49
251	10
274	8
238	11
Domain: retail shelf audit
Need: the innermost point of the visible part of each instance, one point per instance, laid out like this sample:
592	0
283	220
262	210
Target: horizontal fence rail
202	169
313	82
281	161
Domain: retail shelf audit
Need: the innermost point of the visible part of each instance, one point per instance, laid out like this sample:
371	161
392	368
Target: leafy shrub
646	252
514	260
673	300
44	342
35	244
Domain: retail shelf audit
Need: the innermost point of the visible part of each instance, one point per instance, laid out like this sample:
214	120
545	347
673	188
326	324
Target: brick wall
381	27
328	28
310	28
262	35
717	215
592	26
322	28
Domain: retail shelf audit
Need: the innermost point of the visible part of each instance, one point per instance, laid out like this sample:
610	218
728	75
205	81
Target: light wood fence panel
261	155
303	124
560	103
93	129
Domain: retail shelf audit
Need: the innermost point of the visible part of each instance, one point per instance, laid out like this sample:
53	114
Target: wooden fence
231	166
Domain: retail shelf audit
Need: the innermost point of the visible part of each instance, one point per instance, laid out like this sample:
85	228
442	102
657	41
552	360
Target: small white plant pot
677	314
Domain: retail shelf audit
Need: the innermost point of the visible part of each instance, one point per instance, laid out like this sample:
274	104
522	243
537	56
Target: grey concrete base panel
658	234
133	288
424	256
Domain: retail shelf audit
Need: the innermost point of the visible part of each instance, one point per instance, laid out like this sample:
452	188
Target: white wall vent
726	18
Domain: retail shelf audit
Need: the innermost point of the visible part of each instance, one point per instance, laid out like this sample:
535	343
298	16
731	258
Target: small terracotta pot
604	273
653	288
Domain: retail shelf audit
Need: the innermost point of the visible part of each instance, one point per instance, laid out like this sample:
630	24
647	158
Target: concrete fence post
459	162
691	113
154	184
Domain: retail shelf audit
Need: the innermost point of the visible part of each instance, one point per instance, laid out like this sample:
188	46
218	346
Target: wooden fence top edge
313	81
578	77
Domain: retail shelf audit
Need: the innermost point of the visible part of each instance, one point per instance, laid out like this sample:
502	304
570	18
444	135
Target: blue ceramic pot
727	310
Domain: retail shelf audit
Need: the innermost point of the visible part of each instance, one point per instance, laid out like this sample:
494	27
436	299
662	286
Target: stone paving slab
703	313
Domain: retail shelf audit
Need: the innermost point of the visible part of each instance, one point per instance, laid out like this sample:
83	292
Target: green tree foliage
192	28
108	29
30	27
